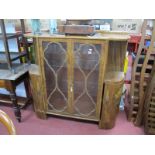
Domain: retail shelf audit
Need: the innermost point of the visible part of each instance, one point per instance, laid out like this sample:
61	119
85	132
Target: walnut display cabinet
68	78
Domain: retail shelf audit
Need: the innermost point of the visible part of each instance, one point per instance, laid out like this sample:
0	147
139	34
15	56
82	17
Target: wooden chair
149	106
137	66
7	122
145	78
141	77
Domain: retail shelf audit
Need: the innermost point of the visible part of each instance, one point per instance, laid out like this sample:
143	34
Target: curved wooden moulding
149	108
111	99
135	77
147	70
37	91
7	122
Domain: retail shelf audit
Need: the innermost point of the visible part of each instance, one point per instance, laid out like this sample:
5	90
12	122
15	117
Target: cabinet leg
16	107
41	115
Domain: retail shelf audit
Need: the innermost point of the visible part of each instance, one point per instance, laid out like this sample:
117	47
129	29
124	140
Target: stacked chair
149	108
135	78
142	80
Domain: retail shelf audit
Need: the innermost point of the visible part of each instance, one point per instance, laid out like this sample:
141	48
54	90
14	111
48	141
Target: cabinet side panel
37	93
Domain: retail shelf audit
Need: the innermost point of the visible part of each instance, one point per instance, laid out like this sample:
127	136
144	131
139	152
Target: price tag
90	51
71	89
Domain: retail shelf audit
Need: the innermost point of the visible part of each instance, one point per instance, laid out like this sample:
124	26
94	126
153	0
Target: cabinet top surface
117	36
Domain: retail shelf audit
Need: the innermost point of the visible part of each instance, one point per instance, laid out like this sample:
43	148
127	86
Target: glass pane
86	74
55	69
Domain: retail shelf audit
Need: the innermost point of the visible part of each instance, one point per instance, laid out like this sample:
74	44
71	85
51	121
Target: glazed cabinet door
54	61
89	60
